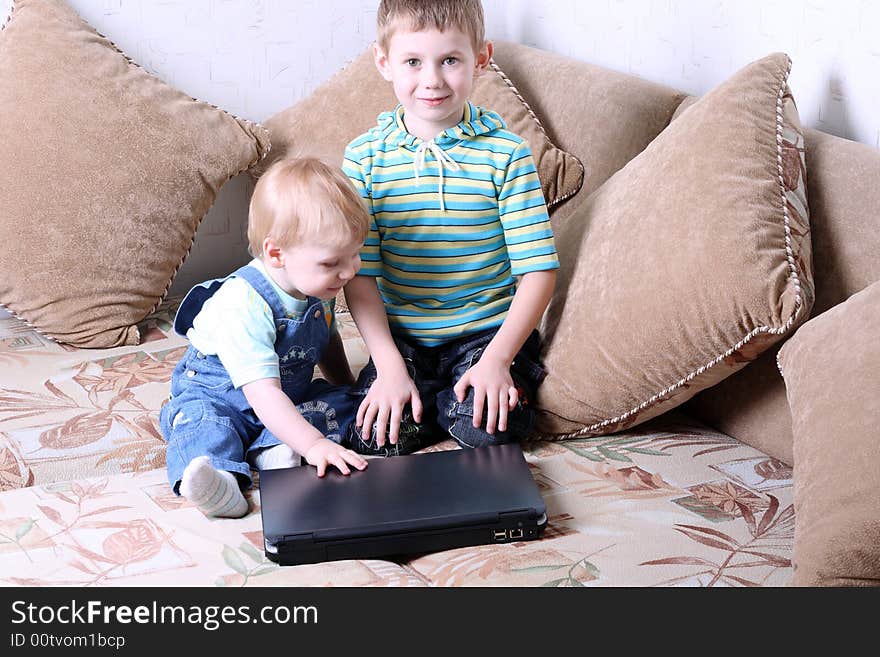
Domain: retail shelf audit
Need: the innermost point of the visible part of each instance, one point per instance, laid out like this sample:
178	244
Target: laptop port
499	534
516	533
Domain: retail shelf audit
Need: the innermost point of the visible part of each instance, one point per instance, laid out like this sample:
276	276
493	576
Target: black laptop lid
400	493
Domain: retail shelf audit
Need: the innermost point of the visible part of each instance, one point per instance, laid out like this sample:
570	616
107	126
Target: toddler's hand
494	390
384	405
325	452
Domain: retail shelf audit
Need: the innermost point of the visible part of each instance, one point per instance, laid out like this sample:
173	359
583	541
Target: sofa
759	467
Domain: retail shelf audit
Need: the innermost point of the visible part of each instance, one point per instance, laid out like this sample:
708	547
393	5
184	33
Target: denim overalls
206	415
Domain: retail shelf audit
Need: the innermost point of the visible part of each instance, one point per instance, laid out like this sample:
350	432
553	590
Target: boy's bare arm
393	387
533	294
279	415
490	376
334	363
368	312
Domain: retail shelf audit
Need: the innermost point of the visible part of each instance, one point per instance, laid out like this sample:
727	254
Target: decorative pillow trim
23	320
512	87
199	223
794	278
253	125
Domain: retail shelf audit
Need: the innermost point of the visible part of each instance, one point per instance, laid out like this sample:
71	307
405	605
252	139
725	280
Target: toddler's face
315	270
433	75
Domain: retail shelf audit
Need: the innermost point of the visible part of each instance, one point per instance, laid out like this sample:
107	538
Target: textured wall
695	44
256	57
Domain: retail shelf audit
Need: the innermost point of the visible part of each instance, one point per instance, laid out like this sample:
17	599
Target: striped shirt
447	238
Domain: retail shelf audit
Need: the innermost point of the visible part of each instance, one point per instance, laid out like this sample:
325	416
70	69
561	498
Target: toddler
243	392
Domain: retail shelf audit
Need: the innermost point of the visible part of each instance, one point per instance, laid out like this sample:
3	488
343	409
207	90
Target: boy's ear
272	254
380	58
484	56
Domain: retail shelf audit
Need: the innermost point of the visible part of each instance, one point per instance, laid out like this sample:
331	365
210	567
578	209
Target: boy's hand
384	405
325	452
494	390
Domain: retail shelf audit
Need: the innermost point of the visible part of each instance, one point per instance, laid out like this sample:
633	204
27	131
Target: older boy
457	216
243	391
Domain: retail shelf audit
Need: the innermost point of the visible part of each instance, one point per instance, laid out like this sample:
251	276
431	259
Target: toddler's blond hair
305	200
417	15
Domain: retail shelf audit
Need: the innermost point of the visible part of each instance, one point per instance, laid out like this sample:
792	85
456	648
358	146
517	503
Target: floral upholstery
86	501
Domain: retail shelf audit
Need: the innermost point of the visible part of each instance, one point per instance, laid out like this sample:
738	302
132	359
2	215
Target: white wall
693	45
256	57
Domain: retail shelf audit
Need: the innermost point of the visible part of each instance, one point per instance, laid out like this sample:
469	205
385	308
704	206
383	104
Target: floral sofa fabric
85	499
67	413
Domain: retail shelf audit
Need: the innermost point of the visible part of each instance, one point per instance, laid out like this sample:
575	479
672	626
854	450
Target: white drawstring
443	159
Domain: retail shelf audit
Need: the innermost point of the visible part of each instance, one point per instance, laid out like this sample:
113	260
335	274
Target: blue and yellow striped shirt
446	244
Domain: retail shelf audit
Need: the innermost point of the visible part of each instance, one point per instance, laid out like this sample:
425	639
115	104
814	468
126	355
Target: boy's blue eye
412	62
450	60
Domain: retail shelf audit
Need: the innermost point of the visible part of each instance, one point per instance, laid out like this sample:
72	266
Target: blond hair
305	200
418	15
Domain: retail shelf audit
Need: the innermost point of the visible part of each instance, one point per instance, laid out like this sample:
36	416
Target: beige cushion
359	94
750	406
602	117
105	173
844	196
832	376
686	264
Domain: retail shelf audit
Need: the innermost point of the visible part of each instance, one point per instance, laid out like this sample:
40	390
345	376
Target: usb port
500	534
516	533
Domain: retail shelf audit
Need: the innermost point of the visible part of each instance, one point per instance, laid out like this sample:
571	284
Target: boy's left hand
494	391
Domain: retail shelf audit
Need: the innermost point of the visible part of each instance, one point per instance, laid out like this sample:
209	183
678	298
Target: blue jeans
206	415
435	371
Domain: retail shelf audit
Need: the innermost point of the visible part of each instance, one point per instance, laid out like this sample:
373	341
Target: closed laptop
399	505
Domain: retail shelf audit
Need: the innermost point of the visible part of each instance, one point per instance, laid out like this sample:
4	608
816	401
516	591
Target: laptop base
423	502
401	544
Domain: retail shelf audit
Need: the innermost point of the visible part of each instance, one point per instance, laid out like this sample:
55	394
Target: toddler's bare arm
279	415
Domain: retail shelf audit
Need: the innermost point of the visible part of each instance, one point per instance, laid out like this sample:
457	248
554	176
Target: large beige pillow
105	173
358	93
685	265
844	196
831	368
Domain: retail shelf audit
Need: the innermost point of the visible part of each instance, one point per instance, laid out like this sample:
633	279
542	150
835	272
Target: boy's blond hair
418	15
304	199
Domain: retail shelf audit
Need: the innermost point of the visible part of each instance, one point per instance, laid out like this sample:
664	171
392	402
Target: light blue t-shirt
236	325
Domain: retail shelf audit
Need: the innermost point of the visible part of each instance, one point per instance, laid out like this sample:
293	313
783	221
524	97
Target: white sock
276	457
215	492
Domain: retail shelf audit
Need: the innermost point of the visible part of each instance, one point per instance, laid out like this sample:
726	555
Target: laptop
401	504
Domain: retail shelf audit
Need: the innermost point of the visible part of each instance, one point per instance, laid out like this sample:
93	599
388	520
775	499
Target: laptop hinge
301	536
519	513
406	527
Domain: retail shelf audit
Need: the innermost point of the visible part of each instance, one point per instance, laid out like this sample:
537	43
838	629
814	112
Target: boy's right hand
384	405
325	452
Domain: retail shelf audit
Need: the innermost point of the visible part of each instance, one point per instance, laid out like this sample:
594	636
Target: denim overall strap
296	339
194	300
264	288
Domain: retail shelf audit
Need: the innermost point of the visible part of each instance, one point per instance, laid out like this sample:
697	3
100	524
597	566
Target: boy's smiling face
433	75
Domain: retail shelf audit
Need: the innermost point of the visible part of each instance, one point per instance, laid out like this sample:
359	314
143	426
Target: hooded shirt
454	220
